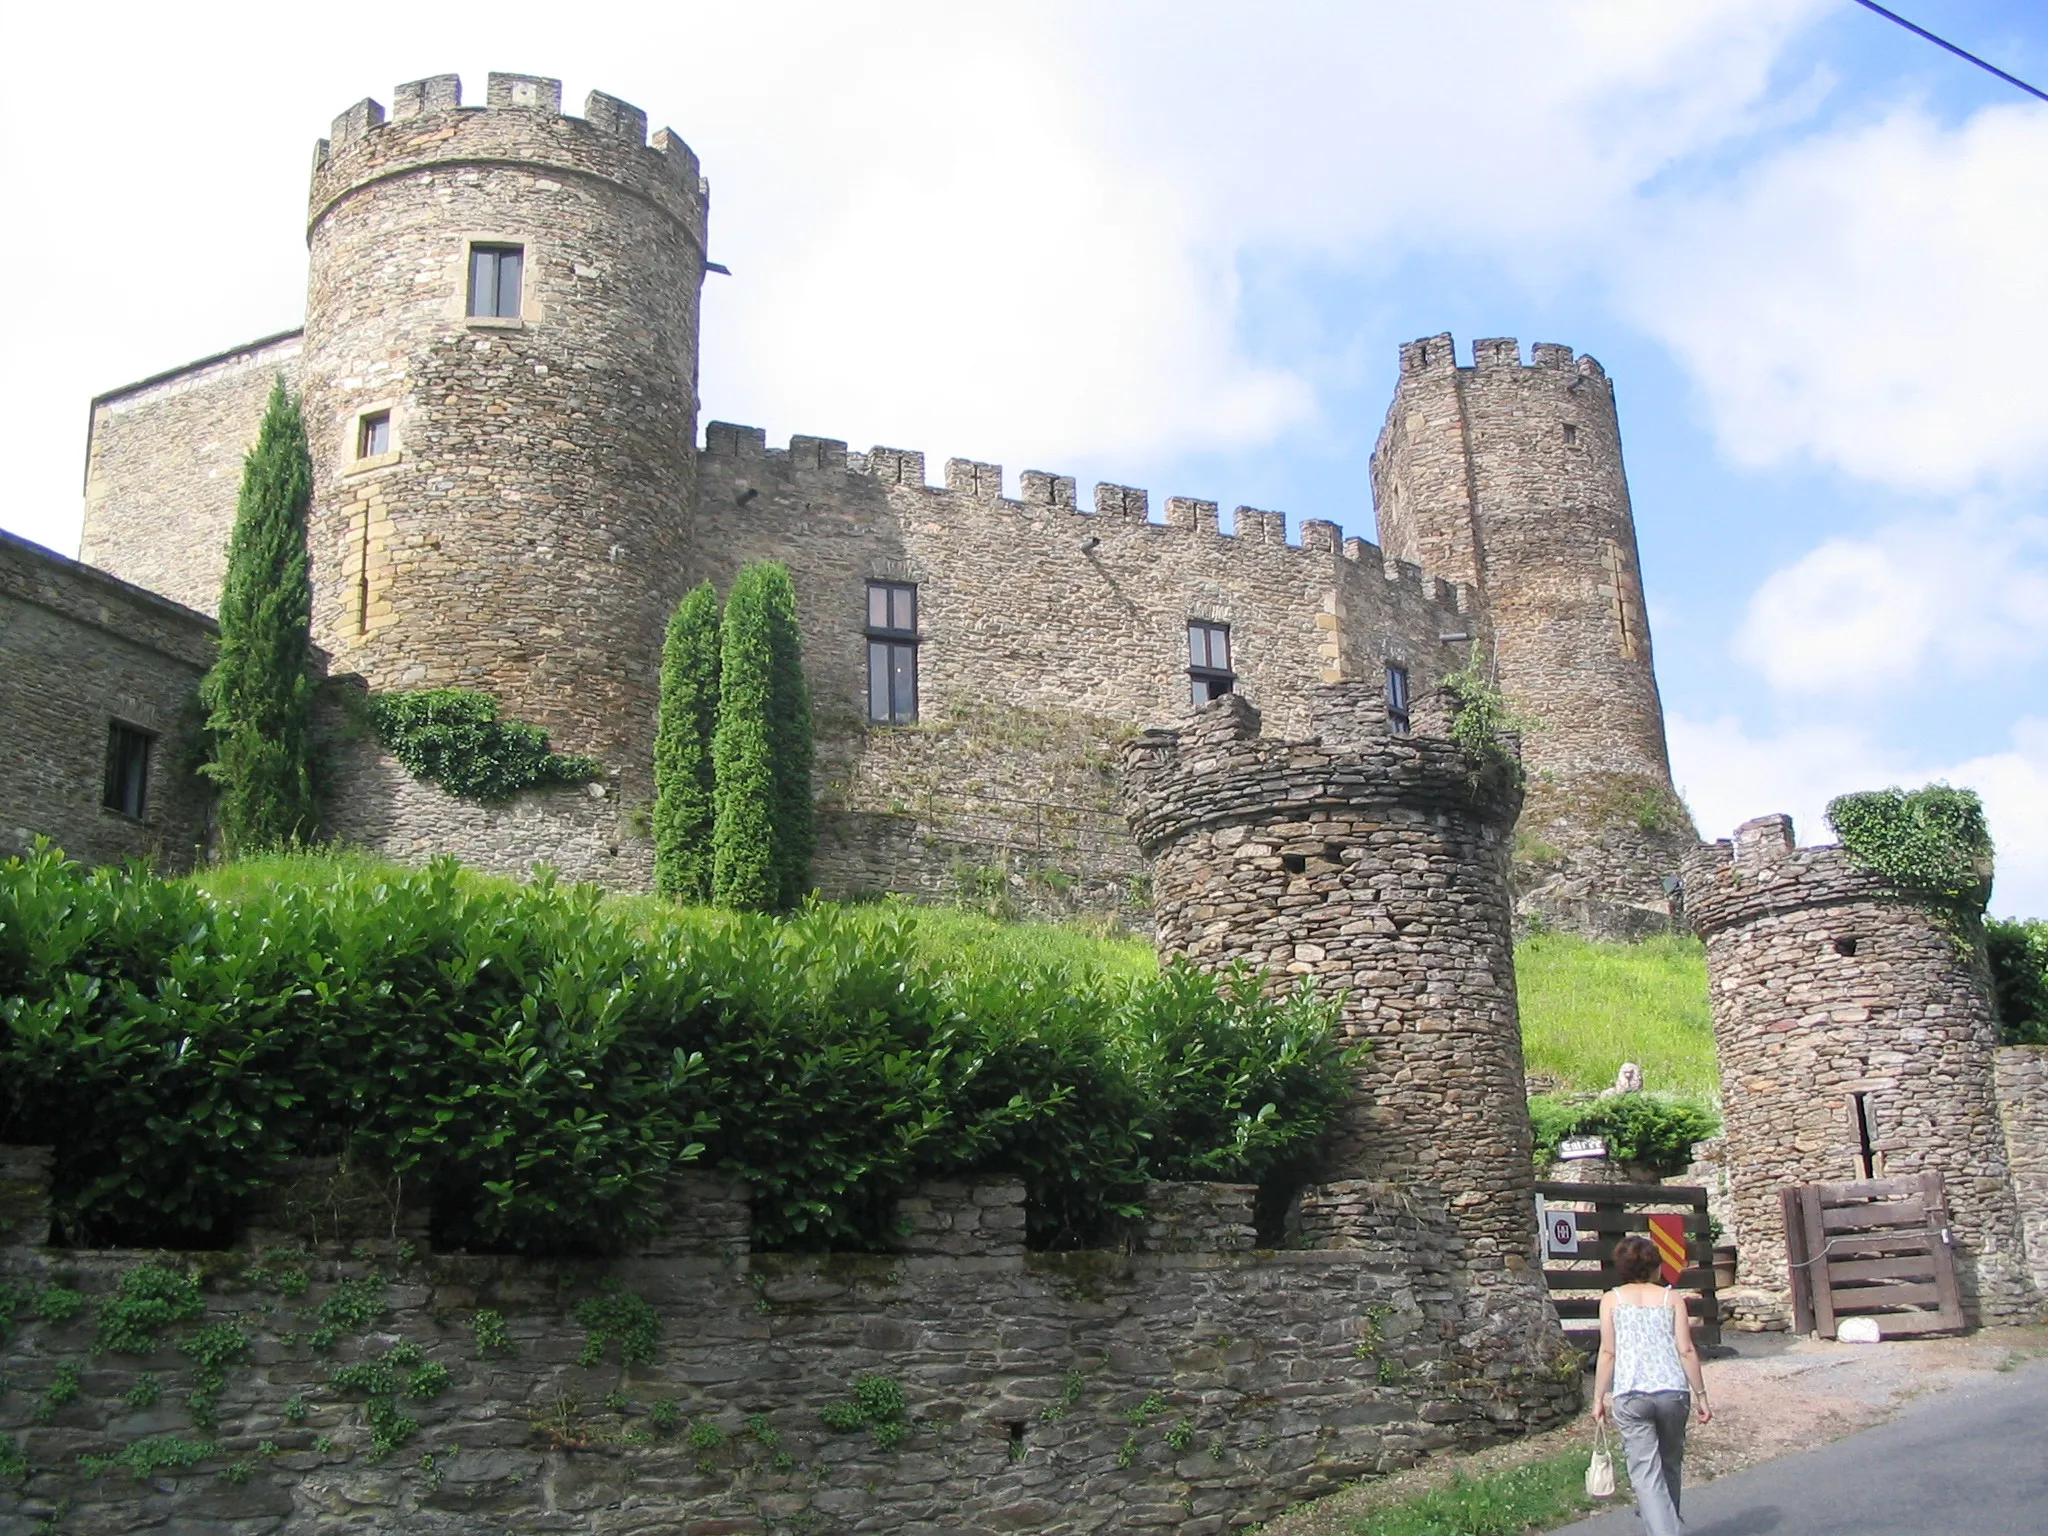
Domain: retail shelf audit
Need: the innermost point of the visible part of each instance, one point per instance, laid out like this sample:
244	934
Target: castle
499	374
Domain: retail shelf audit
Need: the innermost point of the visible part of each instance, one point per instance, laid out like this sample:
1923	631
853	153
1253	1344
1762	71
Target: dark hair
1636	1259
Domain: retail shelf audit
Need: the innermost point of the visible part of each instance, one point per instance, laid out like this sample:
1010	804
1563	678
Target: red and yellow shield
1668	1233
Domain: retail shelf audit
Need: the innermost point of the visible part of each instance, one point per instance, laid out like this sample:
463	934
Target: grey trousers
1652	1426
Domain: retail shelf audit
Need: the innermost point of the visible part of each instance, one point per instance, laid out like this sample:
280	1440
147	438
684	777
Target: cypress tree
762	834
789	722
744	872
683	777
258	696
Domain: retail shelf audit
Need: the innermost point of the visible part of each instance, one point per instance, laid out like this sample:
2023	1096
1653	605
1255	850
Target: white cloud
1870	298
1729	775
1860	616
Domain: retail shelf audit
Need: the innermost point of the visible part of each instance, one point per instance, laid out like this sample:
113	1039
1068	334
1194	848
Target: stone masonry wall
163	466
78	652
2023	1104
524	534
1509	477
1046	629
1825	986
1198	1390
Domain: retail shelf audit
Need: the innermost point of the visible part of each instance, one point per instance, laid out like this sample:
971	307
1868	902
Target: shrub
258	695
2018	952
1652	1128
1931	843
455	738
761	751
683	779
537	1062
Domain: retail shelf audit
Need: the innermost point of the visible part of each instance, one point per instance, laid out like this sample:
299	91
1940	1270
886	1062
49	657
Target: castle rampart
1509	477
1191	1385
502	474
163	466
1856	1040
1043	632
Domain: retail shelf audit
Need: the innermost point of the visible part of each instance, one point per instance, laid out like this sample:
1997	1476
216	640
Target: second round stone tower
1856	1041
1377	863
500	388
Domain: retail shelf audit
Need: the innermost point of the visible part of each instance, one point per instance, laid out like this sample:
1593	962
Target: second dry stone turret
1856	1041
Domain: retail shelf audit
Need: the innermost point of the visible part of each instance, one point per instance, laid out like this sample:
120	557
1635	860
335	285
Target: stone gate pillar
1377	863
1856	1040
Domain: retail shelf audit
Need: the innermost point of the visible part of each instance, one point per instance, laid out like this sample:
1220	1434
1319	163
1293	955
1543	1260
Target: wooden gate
1606	1214
1880	1248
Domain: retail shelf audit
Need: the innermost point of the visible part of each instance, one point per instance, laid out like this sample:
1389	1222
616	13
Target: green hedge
537	1060
1652	1128
2018	952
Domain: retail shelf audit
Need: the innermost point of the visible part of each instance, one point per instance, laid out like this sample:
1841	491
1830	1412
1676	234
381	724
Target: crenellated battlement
521	121
1126	505
1490	354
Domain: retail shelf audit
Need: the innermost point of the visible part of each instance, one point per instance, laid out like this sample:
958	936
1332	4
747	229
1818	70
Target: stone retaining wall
2023	1104
1198	1390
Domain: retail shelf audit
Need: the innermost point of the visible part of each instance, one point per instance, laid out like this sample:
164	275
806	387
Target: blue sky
1176	245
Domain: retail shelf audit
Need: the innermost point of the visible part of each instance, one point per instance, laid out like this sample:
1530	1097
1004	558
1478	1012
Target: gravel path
1776	1396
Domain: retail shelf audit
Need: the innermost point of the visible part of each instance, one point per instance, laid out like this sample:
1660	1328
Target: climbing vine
455	738
1931	843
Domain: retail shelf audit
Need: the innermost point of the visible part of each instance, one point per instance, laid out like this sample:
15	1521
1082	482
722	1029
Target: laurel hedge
537	1060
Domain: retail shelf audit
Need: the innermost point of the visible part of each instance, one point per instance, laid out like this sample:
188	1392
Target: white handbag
1600	1470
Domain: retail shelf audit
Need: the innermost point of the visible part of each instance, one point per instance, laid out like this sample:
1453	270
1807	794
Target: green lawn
1537	1494
1586	1007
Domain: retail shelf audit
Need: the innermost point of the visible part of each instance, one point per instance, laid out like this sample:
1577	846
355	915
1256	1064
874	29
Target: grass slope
1586	1007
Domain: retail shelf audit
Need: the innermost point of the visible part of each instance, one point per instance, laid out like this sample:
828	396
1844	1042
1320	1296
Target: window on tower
1209	674
1397	700
495	273
892	653
373	437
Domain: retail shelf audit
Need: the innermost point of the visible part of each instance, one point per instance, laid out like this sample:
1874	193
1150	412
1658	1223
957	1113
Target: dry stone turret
1856	1041
1376	863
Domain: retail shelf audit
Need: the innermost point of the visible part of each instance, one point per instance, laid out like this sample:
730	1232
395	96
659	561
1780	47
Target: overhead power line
1961	53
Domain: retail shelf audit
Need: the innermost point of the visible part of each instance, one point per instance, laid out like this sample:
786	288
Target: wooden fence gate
1606	1213
1880	1248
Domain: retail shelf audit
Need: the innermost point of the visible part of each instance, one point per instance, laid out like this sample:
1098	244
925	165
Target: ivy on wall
2018	952
1932	843
455	738
1482	721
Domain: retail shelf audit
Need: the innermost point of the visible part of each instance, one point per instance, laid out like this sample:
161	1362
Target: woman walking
1648	1379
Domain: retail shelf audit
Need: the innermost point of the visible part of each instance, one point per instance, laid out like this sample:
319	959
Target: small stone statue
1628	1080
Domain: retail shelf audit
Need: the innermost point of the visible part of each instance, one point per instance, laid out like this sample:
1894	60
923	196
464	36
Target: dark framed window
127	783
374	435
892	653
1209	674
1397	700
495	273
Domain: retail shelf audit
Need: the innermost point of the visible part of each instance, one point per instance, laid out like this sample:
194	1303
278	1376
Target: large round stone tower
500	385
1856	1041
1378	863
1509	477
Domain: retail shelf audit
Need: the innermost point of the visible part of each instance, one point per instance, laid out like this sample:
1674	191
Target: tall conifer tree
683	776
259	694
761	751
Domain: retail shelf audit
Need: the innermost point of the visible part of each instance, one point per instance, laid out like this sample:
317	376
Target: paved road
1968	1462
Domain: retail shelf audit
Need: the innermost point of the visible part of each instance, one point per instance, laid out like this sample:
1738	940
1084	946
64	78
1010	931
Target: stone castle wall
1191	1385
1509	477
524	533
79	651
1046	631
163	466
2022	1081
1825	986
